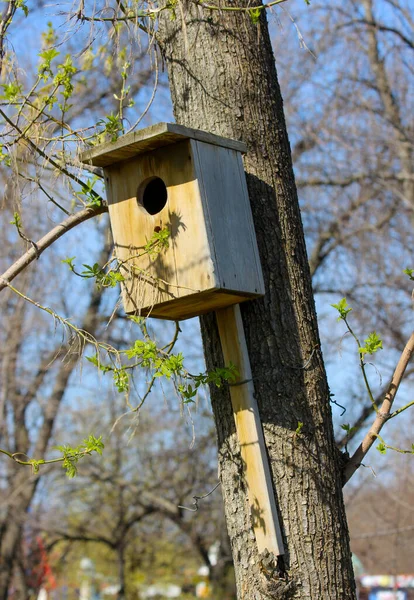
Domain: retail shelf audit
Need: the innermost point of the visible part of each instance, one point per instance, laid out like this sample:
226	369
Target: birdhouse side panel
187	266
224	190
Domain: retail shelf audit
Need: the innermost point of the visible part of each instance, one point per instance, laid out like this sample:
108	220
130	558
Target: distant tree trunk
23	485
121	571
223	79
222	573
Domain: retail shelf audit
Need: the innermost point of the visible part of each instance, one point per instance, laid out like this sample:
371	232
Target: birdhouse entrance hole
152	195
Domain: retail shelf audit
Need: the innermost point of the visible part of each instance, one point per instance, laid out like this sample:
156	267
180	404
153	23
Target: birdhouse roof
150	138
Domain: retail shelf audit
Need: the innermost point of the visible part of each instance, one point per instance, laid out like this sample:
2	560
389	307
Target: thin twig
198	498
383	414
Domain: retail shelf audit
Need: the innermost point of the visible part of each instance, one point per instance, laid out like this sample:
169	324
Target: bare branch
35	251
383	414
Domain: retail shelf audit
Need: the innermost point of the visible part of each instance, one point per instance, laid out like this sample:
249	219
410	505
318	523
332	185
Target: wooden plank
227	209
250	434
186	267
193	305
150	138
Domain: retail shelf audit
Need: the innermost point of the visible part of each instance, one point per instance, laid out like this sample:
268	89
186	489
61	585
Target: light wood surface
186	267
150	138
212	260
256	469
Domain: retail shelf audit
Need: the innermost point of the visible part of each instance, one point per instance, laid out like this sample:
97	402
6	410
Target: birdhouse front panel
149	193
193	184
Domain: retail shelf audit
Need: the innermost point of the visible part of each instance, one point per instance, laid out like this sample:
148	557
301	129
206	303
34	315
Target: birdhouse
191	183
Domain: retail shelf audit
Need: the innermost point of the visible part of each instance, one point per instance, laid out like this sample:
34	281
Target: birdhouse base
192	306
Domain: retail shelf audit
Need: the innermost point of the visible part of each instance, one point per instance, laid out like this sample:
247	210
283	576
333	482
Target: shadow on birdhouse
193	184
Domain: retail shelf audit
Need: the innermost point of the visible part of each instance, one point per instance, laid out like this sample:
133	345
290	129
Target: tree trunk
223	79
120	551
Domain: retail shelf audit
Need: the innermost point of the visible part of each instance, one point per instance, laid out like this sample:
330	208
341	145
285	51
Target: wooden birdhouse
192	183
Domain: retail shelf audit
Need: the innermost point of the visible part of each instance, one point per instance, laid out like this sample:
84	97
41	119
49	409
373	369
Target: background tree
147	477
349	231
351	179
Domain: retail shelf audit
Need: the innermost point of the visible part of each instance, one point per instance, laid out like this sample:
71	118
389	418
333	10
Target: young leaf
373	343
11	91
410	273
255	15
382	449
121	380
343	309
347	427
299	427
69	261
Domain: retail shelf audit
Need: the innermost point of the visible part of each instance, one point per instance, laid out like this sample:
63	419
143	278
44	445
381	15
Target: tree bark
223	79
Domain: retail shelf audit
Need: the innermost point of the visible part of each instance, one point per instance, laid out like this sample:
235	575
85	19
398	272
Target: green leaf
45	66
69	261
49	36
137	319
93	444
254	14
188	393
112	127
410	273
343	309
22	4
159	241
17	221
382	448
145	350
4	156
109	279
36	465
299	427
64	77
347	427
373	343
93	360
11	91
121	380
71	456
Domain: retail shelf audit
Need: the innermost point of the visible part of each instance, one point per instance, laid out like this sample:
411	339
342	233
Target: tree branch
383	414
46	241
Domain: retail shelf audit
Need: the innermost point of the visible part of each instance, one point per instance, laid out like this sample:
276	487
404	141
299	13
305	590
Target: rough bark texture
223	79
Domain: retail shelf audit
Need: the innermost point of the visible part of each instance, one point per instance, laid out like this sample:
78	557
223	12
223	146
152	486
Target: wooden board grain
150	138
194	305
256	470
227	211
187	266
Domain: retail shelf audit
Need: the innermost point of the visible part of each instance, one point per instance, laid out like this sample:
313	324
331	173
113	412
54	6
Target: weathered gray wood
150	138
227	210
